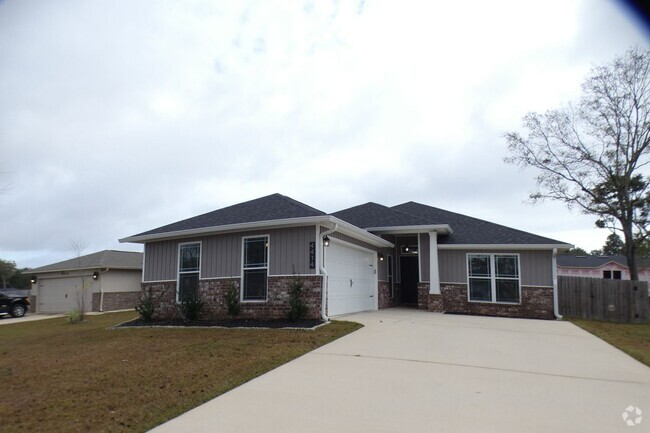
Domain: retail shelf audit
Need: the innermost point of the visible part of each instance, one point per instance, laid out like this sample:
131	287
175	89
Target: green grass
633	339
57	376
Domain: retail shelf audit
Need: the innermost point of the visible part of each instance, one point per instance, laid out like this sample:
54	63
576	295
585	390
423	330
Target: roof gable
469	230
376	215
269	208
111	259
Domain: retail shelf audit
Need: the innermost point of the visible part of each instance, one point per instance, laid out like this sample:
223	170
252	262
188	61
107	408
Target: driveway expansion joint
452	364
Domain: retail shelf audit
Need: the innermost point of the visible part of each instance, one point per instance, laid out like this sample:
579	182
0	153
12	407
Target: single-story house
607	267
103	281
366	257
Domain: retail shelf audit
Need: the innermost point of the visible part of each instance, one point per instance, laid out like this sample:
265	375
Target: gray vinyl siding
536	266
160	260
221	254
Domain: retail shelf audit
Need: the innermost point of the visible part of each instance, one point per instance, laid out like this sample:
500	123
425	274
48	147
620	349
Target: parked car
17	306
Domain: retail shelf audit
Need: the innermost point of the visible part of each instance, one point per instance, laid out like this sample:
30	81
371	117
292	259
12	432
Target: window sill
254	301
493	302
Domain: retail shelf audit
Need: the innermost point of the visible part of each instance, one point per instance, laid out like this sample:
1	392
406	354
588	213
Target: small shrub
190	307
297	307
232	301
75	316
146	306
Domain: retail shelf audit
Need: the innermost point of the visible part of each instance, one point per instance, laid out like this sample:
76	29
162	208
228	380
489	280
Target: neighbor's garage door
351	272
61	295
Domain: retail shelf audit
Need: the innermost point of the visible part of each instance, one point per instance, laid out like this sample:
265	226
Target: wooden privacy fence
600	299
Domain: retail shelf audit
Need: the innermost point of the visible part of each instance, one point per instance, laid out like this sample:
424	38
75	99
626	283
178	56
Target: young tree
591	155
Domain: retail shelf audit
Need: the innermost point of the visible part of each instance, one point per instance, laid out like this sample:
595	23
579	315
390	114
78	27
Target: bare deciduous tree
591	155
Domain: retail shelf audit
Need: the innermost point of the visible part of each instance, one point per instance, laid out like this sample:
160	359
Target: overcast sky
119	117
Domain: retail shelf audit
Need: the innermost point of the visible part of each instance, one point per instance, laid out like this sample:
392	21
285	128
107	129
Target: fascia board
504	246
86	268
440	228
350	229
359	233
287	222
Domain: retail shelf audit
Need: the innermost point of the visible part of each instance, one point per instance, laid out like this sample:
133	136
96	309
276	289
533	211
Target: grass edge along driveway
631	338
59	376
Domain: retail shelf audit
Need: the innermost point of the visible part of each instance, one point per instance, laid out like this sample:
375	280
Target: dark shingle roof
469	230
571	261
377	215
271	207
103	259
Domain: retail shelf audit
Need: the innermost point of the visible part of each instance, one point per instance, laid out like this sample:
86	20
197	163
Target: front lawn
633	339
58	377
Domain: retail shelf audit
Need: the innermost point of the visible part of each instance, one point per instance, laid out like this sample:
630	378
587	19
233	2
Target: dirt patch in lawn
57	376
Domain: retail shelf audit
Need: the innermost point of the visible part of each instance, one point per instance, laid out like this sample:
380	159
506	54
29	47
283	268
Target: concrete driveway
411	371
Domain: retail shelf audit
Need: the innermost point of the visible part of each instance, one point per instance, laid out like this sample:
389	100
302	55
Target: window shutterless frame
255	268
490	275
189	270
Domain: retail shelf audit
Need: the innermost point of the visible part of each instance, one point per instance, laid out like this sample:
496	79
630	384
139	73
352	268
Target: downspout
556	306
323	310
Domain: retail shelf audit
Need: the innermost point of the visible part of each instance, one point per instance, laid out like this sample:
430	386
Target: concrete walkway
29	317
413	371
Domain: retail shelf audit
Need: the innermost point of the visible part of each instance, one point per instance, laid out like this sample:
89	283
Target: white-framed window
189	270
255	267
612	275
390	272
493	278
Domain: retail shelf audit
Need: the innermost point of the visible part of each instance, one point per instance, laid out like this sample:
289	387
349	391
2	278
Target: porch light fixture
381	257
33	279
95	275
406	248
326	241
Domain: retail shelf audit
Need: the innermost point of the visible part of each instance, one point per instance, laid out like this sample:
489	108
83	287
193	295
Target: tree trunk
630	253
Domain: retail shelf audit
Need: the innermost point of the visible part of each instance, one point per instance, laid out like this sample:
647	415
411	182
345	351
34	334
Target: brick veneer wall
212	292
115	300
536	303
385	300
423	296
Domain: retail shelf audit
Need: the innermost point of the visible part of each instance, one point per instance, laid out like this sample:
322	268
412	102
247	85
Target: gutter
323	310
556	306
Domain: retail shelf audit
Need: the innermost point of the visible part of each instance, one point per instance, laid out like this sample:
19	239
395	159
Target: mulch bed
224	323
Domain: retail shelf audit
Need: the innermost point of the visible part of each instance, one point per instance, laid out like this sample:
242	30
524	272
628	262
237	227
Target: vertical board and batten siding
603	299
536	266
221	254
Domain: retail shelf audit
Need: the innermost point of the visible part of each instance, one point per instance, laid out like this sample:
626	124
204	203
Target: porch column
434	272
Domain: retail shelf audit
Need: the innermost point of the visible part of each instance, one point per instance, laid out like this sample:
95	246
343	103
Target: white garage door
351	286
61	295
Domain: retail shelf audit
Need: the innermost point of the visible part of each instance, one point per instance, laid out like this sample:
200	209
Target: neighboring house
103	281
608	267
366	257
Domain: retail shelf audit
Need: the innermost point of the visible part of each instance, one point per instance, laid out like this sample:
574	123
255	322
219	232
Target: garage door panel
60	295
351	281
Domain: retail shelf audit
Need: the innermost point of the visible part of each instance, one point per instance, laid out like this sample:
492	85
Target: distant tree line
614	246
13	277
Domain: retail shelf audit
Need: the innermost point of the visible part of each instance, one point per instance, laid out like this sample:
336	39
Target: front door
409	279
